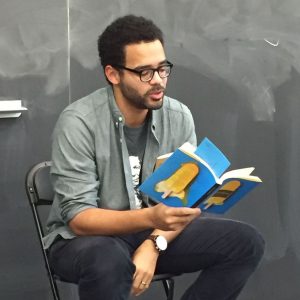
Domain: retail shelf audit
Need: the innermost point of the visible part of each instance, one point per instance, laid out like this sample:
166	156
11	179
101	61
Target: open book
195	177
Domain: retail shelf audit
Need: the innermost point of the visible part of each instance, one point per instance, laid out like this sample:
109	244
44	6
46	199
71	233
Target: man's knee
101	258
251	243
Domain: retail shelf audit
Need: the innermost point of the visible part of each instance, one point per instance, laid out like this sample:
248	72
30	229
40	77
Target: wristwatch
159	241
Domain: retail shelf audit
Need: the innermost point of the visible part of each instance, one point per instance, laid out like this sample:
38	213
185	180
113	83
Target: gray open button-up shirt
90	159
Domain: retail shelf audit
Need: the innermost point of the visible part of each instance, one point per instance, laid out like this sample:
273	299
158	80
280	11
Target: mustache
155	89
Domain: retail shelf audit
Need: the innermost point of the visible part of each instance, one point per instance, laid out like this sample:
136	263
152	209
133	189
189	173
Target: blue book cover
227	195
213	156
189	177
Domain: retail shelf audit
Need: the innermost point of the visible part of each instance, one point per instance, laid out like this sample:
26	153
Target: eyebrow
149	66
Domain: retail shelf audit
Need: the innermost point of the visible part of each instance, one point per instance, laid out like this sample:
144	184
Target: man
103	234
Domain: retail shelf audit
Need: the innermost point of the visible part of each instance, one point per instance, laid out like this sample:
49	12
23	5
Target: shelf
11	108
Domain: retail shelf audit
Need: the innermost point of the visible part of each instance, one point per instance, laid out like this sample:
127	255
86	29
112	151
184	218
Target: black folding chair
40	193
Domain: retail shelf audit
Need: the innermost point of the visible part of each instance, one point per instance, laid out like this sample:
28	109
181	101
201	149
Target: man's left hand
144	258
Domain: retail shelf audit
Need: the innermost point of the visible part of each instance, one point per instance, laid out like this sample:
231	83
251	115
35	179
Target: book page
244	173
186	147
196	157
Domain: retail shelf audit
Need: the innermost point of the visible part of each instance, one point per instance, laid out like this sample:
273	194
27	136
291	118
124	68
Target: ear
112	74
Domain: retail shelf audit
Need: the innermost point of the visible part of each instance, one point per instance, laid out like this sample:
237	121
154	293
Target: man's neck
134	117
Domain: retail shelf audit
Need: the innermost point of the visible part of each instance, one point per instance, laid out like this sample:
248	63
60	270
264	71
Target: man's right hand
172	218
98	221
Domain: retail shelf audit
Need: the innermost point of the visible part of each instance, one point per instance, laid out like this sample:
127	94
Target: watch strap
153	238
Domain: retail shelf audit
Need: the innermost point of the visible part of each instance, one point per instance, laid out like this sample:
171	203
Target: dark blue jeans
226	251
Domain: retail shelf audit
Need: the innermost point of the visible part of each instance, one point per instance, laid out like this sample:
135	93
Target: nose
156	78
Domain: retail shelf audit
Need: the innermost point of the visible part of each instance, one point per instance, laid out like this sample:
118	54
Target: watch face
161	243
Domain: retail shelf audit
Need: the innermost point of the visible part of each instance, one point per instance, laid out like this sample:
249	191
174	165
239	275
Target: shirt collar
116	113
155	118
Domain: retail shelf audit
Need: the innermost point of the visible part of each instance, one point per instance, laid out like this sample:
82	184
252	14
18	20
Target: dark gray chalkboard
33	68
237	66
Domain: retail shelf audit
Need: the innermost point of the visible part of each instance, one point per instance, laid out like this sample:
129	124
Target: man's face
143	95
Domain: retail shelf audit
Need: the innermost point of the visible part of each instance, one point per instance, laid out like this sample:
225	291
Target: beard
142	101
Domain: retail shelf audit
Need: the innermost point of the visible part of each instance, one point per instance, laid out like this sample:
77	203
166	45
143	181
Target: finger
176	223
184	211
181	219
141	281
137	285
140	288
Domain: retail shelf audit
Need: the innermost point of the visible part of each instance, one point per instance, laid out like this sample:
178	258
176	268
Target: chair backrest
39	185
39	190
40	193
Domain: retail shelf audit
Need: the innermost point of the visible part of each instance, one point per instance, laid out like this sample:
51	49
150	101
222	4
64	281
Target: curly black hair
124	31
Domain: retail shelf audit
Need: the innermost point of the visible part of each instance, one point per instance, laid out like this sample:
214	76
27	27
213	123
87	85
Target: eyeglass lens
163	72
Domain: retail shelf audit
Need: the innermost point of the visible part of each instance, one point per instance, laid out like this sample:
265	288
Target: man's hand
169	221
172	218
99	221
144	258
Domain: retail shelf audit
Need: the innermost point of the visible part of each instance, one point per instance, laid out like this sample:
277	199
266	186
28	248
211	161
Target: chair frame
32	192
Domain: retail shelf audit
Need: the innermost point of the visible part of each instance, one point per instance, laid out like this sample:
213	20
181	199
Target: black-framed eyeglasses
147	74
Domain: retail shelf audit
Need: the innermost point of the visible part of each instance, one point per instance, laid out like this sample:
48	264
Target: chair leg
169	288
54	288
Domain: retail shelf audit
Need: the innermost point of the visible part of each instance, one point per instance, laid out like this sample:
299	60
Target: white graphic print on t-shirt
135	165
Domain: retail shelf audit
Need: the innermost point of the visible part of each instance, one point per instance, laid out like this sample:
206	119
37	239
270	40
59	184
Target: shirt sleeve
74	171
